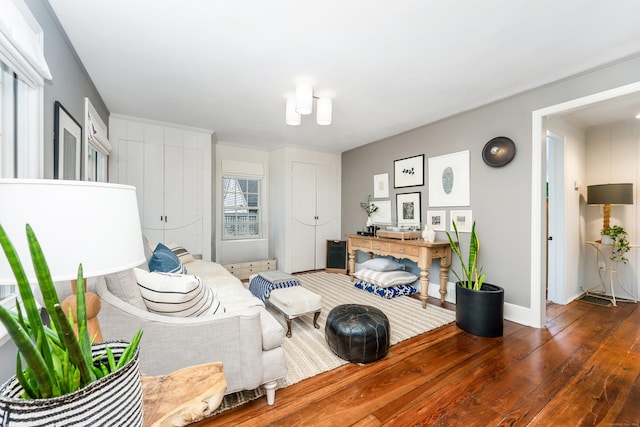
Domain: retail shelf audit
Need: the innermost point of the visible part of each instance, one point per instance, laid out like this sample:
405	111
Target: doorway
537	316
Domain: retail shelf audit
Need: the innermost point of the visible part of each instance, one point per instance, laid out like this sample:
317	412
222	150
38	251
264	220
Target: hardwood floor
583	369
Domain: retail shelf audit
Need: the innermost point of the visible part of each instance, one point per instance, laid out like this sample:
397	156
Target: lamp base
93	308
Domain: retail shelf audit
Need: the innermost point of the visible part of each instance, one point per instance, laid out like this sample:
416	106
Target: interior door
326	211
304	202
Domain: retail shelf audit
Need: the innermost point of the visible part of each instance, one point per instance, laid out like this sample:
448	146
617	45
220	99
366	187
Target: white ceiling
390	66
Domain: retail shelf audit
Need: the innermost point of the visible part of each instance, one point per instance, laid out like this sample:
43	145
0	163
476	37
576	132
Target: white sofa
245	338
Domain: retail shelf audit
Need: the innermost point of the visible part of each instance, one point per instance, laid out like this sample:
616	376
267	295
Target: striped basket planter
115	400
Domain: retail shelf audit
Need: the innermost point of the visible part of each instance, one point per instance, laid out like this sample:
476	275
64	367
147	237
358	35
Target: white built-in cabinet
170	167
305	208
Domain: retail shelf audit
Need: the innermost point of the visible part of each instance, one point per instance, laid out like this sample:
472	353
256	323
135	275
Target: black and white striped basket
115	400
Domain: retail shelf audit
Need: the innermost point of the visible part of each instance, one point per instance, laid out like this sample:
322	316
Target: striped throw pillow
384	279
177	295
183	255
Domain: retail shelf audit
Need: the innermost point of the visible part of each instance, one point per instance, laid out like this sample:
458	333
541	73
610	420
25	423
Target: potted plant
479	305
616	236
369	208
66	379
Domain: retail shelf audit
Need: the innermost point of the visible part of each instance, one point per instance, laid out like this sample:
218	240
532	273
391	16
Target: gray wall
70	84
500	197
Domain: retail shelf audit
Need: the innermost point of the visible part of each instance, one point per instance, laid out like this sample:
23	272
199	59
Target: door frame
537	317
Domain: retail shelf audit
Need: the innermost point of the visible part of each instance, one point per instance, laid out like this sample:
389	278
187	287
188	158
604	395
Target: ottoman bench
294	302
357	333
283	291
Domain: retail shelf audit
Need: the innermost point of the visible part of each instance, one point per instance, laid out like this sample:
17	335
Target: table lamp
607	195
96	224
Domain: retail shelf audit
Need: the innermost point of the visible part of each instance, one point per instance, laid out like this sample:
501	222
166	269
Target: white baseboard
512	312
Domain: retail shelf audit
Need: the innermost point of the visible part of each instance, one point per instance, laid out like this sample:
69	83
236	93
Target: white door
303	209
555	190
327	186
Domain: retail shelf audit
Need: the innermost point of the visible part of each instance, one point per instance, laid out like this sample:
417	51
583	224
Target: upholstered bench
287	296
357	333
295	302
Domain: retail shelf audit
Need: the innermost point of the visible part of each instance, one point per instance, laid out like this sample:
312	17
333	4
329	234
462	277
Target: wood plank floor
582	370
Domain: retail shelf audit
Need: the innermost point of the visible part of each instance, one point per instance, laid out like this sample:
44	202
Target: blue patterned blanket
261	287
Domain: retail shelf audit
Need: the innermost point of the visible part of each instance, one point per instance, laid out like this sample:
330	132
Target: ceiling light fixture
324	111
302	104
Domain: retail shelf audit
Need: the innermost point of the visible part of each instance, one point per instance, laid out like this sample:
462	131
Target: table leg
424	286
352	263
444	279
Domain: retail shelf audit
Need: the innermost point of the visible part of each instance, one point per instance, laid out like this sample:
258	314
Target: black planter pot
480	312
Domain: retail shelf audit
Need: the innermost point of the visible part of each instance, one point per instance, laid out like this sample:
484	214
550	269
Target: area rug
307	351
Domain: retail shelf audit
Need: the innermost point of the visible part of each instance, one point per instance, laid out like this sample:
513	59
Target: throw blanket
261	287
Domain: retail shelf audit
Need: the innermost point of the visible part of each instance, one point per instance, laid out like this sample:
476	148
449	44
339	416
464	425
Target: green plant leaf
73	346
31	355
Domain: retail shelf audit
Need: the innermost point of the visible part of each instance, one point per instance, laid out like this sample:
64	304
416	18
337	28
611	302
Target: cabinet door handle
401	250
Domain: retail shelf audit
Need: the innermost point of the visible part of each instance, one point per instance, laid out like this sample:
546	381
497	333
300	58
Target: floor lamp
96	224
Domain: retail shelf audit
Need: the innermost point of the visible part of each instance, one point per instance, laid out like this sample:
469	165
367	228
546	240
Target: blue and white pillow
390	292
164	260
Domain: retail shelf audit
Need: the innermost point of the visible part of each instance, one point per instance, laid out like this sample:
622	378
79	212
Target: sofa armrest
172	343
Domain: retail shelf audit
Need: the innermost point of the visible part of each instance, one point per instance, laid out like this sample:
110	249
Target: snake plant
57	361
472	274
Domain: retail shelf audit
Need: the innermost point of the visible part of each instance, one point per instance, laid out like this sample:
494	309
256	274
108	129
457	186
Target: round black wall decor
499	151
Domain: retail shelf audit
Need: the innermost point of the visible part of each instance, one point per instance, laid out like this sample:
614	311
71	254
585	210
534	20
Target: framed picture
381	186
463	221
383	214
449	180
437	220
409	172
67	144
408	207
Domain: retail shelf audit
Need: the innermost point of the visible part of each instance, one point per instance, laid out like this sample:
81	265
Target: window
23	70
96	143
242	208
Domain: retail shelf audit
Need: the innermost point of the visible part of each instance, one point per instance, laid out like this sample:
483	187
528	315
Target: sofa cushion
183	255
384	279
124	286
165	261
178	295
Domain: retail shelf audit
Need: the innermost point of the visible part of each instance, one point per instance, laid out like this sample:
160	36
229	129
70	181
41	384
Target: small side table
610	270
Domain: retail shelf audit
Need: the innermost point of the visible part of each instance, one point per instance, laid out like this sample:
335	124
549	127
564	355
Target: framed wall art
67	145
383	214
409	172
449	180
437	220
381	186
463	220
408	209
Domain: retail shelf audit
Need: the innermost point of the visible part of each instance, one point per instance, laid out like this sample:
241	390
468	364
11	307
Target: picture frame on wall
67	146
437	220
381	186
408	209
382	216
449	180
408	172
463	220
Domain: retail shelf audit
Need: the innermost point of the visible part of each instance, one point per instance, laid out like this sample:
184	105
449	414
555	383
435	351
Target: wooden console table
420	251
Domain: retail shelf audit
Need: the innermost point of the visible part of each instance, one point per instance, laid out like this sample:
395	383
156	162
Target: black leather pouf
357	333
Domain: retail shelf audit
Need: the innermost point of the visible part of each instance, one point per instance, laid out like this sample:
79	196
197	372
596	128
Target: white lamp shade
304	98
96	224
292	118
324	111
